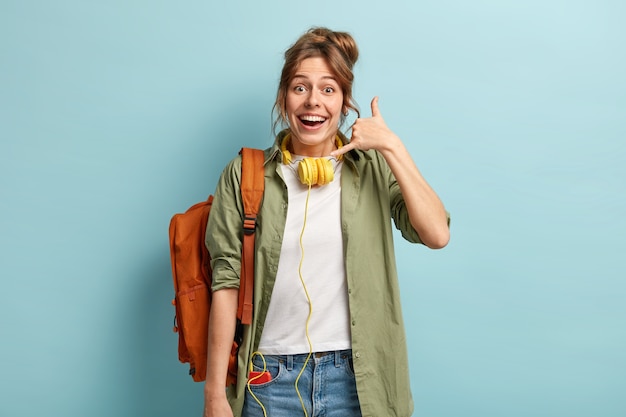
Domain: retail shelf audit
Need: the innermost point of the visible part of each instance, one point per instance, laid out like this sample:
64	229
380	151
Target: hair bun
342	40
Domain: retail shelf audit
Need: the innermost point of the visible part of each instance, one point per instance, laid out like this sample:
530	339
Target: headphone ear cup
307	171
325	171
330	171
320	172
315	171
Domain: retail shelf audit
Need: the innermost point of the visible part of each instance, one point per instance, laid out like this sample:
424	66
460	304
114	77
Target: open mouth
312	121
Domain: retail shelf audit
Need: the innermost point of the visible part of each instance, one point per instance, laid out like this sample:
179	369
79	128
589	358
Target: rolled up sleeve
224	229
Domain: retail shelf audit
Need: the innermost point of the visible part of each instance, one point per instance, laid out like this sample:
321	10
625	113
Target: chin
308	137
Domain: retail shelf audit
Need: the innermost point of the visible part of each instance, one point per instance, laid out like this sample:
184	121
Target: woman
327	327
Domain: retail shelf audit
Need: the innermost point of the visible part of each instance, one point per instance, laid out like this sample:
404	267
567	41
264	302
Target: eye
329	90
299	89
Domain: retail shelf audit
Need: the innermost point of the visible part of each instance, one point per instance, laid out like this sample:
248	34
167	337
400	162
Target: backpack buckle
249	225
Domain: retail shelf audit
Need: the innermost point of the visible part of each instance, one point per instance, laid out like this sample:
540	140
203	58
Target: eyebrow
326	77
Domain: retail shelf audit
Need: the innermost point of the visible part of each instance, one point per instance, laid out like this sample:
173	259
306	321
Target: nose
312	99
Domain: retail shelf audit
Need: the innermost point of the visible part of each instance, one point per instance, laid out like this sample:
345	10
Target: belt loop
337	359
289	362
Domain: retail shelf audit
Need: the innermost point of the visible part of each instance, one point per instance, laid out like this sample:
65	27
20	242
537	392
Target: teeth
309	118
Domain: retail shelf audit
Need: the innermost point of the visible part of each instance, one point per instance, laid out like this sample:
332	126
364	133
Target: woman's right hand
216	407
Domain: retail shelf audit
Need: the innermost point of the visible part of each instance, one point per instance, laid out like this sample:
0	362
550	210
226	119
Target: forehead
314	68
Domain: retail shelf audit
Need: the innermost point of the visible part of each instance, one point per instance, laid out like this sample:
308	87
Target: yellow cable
306	292
306	329
250	380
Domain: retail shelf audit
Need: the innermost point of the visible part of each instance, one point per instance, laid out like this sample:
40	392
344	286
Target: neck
290	146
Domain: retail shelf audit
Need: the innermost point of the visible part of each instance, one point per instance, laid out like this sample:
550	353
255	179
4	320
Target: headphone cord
306	292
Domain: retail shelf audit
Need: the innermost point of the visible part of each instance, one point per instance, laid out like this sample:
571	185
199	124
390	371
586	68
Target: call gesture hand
369	133
426	212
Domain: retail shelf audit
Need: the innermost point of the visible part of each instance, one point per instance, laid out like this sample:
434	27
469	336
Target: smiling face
313	103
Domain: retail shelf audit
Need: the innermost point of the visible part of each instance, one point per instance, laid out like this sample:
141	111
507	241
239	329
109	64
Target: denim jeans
327	386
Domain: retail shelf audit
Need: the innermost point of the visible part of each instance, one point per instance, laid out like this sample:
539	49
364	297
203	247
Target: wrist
391	145
214	391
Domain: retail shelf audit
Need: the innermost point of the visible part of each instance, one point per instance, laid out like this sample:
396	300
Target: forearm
222	323
426	211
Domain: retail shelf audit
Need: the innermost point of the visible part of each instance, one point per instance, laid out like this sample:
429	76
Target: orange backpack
191	270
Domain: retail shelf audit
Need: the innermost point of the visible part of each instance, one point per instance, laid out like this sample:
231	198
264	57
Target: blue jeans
327	386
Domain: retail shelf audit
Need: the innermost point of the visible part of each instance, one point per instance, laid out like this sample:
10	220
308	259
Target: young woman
327	336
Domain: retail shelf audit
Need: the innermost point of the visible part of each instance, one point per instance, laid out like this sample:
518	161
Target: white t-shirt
323	272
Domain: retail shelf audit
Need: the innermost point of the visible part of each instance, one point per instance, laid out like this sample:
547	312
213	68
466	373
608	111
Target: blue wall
115	115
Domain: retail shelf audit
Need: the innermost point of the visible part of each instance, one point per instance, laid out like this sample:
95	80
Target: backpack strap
252	187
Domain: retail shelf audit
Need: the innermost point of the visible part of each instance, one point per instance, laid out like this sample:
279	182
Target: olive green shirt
370	198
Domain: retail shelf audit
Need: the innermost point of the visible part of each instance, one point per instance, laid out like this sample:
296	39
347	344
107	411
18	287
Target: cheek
337	108
288	105
291	104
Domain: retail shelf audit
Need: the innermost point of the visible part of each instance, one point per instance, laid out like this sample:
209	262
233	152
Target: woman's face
314	103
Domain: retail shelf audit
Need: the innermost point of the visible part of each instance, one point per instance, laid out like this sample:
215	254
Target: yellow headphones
312	171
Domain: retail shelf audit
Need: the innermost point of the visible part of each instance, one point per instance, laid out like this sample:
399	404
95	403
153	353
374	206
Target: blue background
116	115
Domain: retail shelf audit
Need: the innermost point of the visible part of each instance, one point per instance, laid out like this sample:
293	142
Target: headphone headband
287	155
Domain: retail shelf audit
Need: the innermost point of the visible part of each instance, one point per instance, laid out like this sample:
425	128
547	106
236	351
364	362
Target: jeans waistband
300	358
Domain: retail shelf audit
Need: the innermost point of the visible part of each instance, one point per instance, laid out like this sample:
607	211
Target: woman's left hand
369	133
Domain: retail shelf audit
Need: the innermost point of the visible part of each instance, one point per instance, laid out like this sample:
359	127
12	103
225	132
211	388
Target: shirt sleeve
224	231
399	212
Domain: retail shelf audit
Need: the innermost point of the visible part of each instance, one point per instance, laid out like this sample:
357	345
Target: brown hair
340	52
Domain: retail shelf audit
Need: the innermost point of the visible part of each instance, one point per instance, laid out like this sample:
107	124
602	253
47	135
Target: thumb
375	111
